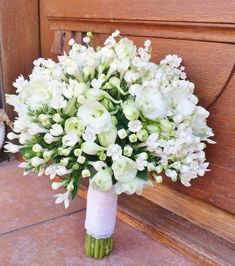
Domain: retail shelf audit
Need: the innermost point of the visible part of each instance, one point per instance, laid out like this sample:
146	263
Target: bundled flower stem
98	248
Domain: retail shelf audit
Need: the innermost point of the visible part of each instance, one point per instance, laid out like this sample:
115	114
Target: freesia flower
91	148
9	147
63	198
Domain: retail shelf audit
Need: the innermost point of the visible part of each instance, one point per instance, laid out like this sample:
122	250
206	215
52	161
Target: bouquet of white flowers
109	114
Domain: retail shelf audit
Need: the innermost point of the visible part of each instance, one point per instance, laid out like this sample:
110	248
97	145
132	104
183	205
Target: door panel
201	32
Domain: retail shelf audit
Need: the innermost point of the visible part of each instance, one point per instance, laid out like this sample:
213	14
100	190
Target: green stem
98	248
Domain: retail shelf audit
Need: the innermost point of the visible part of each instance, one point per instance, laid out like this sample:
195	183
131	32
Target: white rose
185	107
107	138
102	180
124	169
134	186
94	115
36	92
125	48
151	103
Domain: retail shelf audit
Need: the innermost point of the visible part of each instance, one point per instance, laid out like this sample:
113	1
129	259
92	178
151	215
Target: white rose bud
165	125
131	112
107	138
70	186
64	152
151	167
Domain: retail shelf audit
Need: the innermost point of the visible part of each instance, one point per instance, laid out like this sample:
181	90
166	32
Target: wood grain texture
173	231
207	216
203	33
185	10
19	40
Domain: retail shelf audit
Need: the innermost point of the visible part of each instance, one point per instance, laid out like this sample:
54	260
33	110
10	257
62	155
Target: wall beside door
19	41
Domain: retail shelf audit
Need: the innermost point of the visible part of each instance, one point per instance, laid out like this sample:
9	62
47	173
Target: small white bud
86	173
81	159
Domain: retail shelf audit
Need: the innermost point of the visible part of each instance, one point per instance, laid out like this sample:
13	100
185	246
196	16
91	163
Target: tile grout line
41	222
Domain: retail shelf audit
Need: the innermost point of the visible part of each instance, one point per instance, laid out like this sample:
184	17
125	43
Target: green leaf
143	174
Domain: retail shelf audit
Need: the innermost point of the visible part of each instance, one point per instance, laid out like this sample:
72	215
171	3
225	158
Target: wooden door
203	34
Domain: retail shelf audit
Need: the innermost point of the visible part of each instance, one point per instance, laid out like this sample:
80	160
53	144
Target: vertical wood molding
19	40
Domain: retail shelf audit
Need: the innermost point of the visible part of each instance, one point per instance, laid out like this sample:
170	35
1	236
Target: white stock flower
95	116
81	159
134	126
114	151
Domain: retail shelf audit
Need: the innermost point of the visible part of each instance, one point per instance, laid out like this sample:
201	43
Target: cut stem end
98	248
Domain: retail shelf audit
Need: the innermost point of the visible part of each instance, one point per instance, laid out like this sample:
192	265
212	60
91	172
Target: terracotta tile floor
34	231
